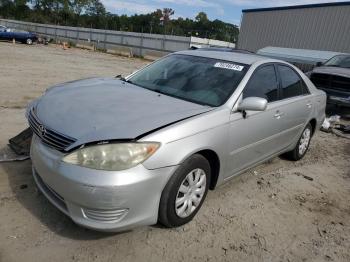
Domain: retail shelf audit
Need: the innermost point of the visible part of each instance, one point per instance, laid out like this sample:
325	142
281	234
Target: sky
226	10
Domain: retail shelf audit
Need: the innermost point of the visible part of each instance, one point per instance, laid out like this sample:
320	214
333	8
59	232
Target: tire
29	41
172	215
302	146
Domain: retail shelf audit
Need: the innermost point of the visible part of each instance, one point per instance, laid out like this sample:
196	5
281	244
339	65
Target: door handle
309	105
278	115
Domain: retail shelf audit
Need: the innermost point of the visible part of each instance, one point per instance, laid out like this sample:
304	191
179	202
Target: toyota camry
115	153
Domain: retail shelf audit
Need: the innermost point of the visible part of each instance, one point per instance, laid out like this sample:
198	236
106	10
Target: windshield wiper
157	91
123	79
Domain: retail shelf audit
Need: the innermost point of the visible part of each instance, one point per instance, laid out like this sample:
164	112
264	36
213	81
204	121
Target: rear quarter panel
318	98
319	110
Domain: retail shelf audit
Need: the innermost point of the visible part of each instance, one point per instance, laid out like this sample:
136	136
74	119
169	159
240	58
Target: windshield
200	80
339	61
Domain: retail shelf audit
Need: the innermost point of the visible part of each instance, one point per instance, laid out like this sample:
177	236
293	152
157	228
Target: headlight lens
112	157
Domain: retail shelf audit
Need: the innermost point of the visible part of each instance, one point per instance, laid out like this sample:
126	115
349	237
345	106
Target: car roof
237	57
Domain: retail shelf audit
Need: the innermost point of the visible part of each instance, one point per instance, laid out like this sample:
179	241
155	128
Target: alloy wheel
304	141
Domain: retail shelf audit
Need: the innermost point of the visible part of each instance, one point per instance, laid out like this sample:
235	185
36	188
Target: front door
257	136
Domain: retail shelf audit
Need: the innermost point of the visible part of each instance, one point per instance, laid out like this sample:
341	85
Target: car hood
101	109
331	70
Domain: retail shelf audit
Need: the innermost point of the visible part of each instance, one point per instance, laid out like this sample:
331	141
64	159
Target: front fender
178	142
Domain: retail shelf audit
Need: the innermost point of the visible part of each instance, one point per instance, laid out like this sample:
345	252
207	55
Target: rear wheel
29	41
185	192
302	146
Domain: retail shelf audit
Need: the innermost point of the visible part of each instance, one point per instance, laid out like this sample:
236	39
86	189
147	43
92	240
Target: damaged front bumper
101	200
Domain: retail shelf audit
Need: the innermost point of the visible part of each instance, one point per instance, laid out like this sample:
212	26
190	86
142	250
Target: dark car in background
333	77
19	36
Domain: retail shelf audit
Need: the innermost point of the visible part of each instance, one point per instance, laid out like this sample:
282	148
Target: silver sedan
117	153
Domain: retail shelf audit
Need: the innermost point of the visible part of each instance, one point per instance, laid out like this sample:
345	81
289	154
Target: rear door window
263	84
291	83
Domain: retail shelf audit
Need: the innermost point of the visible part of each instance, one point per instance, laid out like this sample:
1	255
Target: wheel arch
313	123
214	162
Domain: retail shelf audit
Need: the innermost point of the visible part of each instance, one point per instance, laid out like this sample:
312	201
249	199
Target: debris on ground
273	195
342	131
18	148
304	176
330	122
24	186
8	155
326	125
301	199
332	125
20	144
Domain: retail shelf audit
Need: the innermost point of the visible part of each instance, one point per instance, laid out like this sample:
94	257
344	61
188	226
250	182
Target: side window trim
280	82
279	90
277	78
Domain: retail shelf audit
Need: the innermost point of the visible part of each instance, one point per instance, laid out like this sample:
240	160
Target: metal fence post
141	44
105	41
56	34
91	34
163	42
77	40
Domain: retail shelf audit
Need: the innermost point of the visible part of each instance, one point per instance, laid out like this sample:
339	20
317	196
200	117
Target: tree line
93	14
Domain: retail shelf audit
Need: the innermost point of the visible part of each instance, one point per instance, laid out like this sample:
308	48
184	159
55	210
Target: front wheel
302	146
185	192
29	41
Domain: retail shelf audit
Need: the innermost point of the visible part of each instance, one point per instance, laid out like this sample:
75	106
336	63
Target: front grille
341	83
105	216
331	81
48	136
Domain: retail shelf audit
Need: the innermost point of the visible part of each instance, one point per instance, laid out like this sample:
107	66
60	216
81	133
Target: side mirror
319	64
253	104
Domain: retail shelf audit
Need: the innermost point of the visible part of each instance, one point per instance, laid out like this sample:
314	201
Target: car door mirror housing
319	64
253	104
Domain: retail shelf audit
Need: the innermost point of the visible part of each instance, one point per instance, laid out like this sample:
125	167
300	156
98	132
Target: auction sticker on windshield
229	66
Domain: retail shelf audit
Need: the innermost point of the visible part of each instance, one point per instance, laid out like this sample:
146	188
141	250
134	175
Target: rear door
295	104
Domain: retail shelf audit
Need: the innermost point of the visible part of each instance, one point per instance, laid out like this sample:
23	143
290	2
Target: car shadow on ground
24	189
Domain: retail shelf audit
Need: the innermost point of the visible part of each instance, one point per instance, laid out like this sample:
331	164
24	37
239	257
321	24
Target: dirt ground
279	211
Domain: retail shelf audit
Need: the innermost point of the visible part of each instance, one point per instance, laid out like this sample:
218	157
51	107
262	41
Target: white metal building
318	27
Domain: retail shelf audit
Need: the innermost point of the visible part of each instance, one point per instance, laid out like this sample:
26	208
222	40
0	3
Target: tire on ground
167	209
295	154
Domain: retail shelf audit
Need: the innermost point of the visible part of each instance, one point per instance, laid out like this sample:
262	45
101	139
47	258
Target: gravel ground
279	211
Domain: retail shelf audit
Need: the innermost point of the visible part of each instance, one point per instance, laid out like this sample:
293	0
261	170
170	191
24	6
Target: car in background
8	34
333	77
4	29
221	49
115	153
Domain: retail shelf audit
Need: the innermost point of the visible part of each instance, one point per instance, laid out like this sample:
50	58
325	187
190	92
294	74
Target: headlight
112	157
